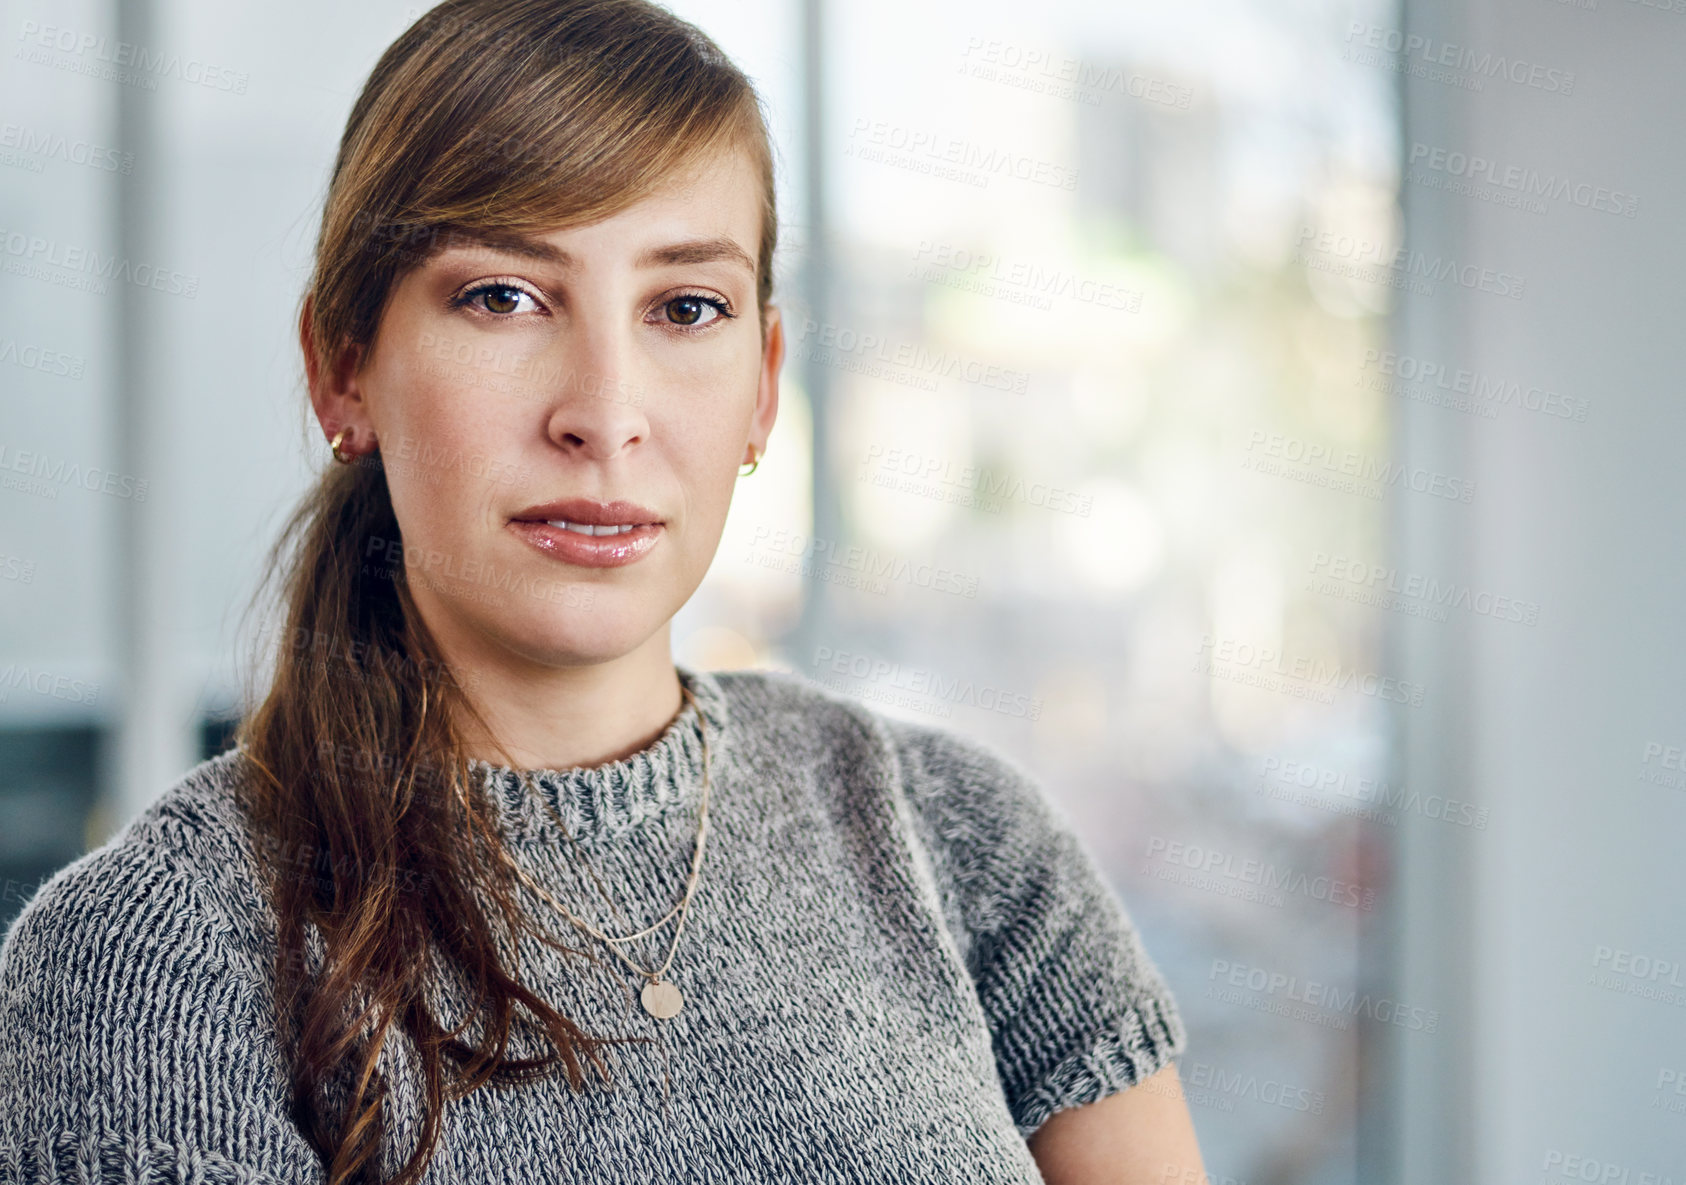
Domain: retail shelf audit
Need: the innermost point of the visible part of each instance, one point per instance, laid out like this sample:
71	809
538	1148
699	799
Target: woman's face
617	362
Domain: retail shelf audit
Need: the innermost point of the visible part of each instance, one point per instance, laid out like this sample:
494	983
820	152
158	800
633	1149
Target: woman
490	889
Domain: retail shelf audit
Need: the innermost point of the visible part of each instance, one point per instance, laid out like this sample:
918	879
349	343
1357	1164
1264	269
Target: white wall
1548	725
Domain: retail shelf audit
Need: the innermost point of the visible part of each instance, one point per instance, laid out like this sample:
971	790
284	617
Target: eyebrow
705	250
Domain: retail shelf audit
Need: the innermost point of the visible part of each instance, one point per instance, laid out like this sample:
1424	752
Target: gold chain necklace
661	999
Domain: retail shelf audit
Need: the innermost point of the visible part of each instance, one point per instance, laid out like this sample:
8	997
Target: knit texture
899	961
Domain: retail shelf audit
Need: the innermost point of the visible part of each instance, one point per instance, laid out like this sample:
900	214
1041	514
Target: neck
550	717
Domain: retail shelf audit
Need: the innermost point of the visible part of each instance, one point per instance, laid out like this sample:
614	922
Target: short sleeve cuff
1133	1047
69	1157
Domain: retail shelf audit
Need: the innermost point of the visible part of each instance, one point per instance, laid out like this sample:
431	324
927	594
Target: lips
590	512
585	533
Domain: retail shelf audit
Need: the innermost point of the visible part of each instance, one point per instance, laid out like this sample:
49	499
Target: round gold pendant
662	999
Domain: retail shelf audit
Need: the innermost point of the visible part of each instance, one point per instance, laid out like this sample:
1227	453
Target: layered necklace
661	998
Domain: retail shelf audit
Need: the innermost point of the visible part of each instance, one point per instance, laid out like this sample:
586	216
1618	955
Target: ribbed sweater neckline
601	801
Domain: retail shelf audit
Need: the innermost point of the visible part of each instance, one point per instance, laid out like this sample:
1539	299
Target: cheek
706	419
438	443
716	395
428	394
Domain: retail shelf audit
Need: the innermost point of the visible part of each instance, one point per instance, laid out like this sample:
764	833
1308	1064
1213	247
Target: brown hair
515	116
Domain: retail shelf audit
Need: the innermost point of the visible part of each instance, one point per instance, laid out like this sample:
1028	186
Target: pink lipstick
589	533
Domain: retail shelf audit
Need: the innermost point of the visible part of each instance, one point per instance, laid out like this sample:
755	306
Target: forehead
707	214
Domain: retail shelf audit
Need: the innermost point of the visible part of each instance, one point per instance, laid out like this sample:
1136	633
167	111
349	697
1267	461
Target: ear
767	394
335	393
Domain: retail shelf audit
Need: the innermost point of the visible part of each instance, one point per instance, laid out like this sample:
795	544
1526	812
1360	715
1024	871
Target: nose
596	403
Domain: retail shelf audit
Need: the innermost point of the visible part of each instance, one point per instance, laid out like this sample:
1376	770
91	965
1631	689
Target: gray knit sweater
898	962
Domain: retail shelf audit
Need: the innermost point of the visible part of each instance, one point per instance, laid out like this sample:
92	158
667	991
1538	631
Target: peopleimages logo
1281	986
1262	873
1448	593
1019	280
910	472
870	563
35	252
1639	966
46	361
869	139
57	147
1379	472
15	568
912	356
1206	1077
1373	792
1487	389
1529	183
53	472
1646	976
1303	669
1600	1172
1049	72
1431	52
927	681
96	48
77	691
1406	263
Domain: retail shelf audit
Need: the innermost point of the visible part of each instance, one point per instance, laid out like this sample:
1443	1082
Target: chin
596	626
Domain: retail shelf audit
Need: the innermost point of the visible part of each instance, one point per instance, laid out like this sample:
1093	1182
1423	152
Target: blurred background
1261	421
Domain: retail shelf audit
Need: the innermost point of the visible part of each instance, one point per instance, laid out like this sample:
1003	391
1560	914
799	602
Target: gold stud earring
342	458
754	461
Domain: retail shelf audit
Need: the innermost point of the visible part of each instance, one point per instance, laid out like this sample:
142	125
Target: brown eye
503	300
499	299
690	310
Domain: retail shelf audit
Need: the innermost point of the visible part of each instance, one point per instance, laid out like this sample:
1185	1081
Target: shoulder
136	907
802	709
136	1016
110	927
929	757
972	803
